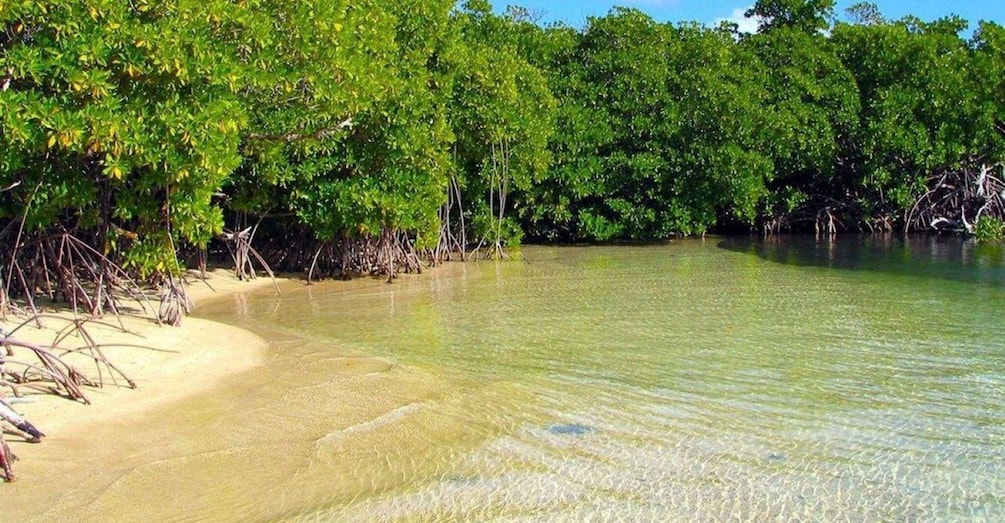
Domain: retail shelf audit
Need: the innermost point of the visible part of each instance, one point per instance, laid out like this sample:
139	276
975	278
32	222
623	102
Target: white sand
170	365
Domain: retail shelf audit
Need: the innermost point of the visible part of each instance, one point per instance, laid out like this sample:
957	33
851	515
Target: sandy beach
170	365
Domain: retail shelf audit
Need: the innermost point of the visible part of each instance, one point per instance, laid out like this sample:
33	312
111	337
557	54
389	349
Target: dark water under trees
862	379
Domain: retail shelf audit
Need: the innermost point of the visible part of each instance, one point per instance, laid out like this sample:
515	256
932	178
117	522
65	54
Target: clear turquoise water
704	380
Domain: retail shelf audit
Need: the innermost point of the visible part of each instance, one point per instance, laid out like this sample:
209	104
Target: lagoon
862	379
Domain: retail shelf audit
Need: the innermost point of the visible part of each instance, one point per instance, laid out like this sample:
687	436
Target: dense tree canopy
142	127
660	132
501	113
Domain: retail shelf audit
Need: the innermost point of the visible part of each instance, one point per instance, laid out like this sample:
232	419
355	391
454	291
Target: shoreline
294	426
170	366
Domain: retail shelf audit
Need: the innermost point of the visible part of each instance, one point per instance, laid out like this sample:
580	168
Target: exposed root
47	368
8	414
6	457
175	303
32	435
294	248
388	255
244	255
51	372
775	225
956	200
62	267
450	242
826	223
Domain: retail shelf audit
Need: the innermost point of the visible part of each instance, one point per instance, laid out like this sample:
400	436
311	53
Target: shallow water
703	380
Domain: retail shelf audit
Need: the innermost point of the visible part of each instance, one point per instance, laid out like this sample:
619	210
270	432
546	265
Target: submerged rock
777	457
572	429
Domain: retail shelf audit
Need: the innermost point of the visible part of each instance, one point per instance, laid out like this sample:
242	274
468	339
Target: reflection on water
680	382
927	256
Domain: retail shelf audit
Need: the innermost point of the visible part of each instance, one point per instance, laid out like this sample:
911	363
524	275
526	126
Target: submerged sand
171	366
226	426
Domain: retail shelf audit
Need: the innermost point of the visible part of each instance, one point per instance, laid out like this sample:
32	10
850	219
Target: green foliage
660	131
923	109
388	171
132	114
807	16
111	106
142	124
989	229
501	112
815	104
989	65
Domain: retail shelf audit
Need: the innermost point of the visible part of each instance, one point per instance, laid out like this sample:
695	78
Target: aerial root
957	199
46	368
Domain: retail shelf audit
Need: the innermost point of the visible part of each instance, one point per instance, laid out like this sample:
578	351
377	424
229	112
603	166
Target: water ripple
687	383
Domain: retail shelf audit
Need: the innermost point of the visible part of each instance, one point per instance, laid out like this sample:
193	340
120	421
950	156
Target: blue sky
575	12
